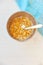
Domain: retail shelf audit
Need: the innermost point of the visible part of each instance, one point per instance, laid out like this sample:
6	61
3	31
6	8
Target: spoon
32	27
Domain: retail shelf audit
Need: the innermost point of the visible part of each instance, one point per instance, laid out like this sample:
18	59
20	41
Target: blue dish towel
35	8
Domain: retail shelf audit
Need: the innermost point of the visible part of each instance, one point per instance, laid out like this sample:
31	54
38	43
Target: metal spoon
32	27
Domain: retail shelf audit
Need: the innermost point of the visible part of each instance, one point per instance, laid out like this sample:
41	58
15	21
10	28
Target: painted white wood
12	52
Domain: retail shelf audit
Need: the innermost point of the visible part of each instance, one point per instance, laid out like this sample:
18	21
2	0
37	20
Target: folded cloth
35	8
22	4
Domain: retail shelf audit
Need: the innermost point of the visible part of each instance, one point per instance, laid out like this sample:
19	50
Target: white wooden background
13	52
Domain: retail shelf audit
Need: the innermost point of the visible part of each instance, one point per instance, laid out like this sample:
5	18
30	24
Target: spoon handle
35	26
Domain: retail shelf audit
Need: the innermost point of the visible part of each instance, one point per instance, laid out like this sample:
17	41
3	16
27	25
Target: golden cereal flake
19	33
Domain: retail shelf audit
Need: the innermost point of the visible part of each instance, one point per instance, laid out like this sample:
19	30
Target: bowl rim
21	13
